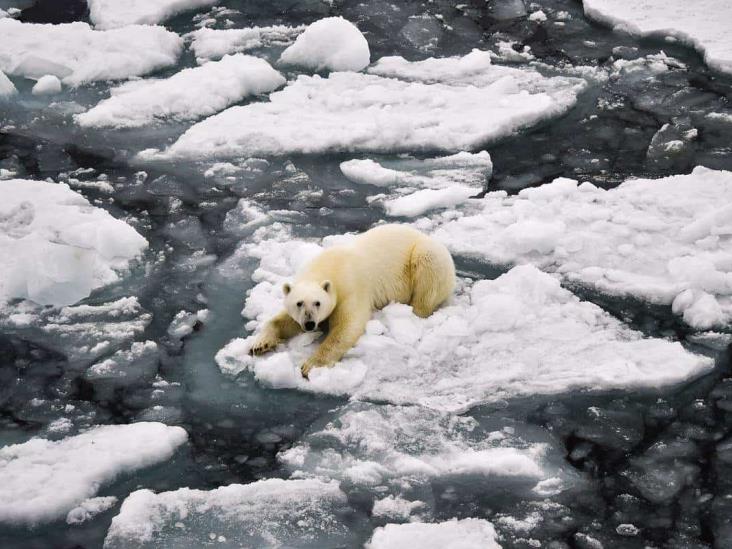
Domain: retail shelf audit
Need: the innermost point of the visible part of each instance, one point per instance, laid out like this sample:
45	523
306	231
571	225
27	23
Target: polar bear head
309	303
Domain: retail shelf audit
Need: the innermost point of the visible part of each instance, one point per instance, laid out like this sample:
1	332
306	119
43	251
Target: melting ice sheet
56	247
109	14
664	240
521	334
187	95
78	55
267	513
703	24
466	534
447	104
42	480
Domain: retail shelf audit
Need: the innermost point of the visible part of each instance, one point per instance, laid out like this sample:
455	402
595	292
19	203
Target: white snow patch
110	14
467	533
668	241
520	334
449	104
271	513
89	508
42	480
332	44
702	24
215	43
187	95
76	54
47	85
56	247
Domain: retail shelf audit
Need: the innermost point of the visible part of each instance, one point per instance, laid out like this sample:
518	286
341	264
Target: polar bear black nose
310	325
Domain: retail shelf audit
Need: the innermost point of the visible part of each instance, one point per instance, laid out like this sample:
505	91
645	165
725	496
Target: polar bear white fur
346	283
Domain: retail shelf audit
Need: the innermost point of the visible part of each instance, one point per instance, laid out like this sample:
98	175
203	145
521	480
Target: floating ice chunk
215	43
445	181
520	334
110	14
89	508
467	533
396	508
371	445
446	104
56	247
538	15
41	480
187	95
76	54
46	85
7	88
652	239
271	513
332	44
703	24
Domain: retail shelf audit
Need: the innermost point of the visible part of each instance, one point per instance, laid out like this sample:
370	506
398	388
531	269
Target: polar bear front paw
309	364
263	344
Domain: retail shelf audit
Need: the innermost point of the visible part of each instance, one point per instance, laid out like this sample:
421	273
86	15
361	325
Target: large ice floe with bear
667	241
520	334
56	247
42	480
448	104
77	54
703	24
187	95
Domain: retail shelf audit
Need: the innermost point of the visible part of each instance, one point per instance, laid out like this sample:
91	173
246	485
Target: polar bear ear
286	288
326	285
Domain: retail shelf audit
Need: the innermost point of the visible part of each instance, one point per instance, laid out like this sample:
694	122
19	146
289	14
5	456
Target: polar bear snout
309	326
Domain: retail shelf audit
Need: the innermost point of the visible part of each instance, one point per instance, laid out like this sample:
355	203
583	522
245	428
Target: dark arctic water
661	460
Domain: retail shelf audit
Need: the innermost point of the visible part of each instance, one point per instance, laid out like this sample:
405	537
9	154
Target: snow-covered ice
273	513
47	85
417	186
190	94
77	54
110	14
42	480
209	43
521	334
89	508
703	24
332	44
470	533
449	104
374	445
56	247
665	240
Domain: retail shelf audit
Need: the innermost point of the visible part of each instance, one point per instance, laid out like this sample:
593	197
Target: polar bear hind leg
433	276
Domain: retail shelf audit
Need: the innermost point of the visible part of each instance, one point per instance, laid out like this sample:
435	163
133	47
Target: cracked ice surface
57	248
521	334
78	55
662	240
42	480
270	512
448	104
703	24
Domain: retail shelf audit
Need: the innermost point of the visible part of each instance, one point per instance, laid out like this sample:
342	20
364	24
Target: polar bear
346	283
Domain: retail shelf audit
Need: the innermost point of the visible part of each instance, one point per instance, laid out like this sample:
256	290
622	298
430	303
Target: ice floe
190	94
7	88
42	480
520	334
110	14
56	247
417	186
47	85
272	513
209	43
703	24
668	241
77	54
449	104
333	44
470	533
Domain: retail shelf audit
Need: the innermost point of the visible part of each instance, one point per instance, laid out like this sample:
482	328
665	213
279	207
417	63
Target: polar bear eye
317	303
299	303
